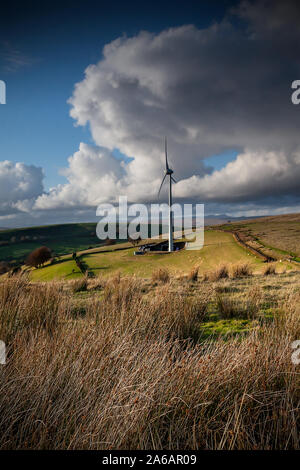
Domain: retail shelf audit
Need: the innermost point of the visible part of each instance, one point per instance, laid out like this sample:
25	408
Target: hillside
219	247
62	239
277	236
16	244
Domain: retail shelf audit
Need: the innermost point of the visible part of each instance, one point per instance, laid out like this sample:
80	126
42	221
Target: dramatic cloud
252	176
208	90
20	185
93	176
225	87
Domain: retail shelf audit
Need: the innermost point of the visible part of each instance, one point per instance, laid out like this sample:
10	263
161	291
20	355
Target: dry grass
221	272
241	270
193	274
161	275
132	373
80	285
235	307
269	269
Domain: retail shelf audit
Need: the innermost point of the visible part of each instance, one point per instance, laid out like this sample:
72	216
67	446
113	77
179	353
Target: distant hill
276	235
16	244
281	231
223	219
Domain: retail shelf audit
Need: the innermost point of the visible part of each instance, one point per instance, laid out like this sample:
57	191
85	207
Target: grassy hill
16	244
278	236
219	247
62	239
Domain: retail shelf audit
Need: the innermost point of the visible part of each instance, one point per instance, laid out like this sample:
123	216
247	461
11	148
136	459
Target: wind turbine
169	172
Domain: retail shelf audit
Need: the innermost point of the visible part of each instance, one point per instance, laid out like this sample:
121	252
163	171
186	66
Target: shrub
38	257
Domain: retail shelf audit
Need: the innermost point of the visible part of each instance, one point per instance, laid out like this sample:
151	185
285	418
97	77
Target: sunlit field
219	247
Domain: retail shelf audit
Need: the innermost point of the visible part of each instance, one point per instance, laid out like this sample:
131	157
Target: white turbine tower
169	172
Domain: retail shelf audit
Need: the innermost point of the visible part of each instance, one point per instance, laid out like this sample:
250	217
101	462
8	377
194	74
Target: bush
81	265
38	257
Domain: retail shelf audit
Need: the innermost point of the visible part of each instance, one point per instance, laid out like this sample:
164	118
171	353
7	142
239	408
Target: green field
16	244
218	248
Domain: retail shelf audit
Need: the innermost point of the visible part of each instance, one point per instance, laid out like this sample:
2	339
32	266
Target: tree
38	257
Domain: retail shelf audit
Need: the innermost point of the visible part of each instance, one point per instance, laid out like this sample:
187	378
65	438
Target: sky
93	88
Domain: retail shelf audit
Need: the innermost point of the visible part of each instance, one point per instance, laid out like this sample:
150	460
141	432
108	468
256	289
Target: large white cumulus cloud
93	176
208	90
251	176
20	185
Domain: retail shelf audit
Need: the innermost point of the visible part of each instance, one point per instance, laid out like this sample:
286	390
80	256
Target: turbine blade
173	179
161	185
166	152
